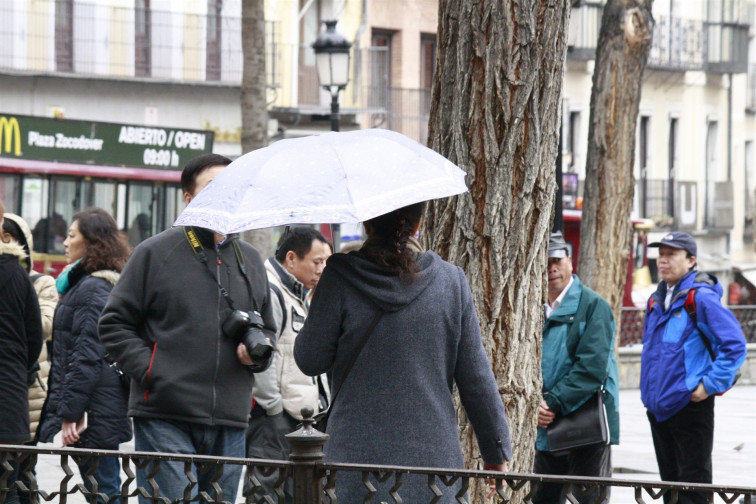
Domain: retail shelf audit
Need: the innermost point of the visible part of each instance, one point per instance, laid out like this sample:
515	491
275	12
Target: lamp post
332	61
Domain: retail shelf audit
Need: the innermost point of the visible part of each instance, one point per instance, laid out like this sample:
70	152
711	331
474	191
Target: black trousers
683	445
593	461
266	439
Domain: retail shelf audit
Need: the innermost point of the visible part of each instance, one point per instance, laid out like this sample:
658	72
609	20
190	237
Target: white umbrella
329	178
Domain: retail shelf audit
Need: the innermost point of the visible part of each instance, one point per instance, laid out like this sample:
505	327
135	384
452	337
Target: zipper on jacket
219	333
149	368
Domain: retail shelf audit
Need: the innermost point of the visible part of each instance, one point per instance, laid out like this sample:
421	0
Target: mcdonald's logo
10	136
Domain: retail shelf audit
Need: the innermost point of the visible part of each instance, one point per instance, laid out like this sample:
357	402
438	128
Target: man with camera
190	322
283	390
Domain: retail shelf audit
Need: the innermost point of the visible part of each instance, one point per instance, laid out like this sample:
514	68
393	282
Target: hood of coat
13	248
29	242
381	285
108	275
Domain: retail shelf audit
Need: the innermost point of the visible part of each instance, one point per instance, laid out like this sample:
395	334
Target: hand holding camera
246	328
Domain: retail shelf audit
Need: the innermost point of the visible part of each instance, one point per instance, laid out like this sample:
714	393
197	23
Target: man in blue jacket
578	359
679	377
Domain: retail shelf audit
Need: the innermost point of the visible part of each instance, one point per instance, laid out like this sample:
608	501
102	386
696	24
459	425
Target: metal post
558	202
307	455
335	110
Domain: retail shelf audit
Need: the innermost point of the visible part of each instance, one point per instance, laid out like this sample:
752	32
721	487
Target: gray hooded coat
396	405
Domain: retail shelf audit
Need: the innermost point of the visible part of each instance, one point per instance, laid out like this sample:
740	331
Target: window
64	35
643	158
142	39
672	164
213	60
427	60
712	171
749	177
380	67
573	139
140	218
9	189
308	87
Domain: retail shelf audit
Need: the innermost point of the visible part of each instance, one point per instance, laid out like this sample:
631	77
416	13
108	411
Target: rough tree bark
253	100
502	62
605	231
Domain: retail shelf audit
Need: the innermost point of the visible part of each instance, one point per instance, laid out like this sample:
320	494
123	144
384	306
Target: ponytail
387	245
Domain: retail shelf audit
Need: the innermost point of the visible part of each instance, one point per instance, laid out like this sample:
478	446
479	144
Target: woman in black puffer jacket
82	382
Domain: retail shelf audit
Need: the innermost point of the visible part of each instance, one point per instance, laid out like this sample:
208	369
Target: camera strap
199	252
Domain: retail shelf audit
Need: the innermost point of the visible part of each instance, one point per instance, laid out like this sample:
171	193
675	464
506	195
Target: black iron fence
631	328
314	481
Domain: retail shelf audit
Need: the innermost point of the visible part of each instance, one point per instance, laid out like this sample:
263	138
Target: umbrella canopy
329	178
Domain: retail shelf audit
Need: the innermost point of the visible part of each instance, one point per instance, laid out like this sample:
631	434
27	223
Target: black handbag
321	419
586	426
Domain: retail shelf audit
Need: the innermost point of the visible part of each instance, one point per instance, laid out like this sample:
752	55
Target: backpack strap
651	303
35	276
690	308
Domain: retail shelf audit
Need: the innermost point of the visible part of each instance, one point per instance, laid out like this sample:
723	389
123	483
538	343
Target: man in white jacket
280	393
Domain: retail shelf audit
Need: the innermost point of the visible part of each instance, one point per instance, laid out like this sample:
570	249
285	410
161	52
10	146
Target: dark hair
299	240
12	229
107	247
387	245
691	256
196	165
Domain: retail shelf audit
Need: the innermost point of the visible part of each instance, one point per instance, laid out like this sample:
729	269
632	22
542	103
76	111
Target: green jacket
578	357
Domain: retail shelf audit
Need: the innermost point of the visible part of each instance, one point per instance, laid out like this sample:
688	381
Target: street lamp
332	60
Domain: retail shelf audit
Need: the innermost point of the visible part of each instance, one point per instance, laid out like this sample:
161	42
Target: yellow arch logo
10	133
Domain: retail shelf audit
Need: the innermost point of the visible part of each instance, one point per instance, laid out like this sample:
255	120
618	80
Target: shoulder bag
321	419
586	426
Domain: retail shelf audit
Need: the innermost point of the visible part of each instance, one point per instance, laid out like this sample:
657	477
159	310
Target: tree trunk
605	230
253	100
502	61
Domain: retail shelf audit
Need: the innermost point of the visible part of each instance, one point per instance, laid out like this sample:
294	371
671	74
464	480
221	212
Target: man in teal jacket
578	359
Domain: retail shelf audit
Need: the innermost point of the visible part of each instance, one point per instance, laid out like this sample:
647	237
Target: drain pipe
358	54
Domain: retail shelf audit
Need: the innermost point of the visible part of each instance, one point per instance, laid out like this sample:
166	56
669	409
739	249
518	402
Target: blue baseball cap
679	240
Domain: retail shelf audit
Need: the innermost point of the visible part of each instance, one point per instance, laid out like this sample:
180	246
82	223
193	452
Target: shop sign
86	142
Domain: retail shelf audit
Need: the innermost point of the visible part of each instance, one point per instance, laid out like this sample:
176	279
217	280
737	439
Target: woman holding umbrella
408	318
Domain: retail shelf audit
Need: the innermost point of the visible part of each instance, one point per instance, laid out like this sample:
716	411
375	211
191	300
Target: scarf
62	283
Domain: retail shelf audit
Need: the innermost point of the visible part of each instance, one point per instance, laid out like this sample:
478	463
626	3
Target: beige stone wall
408	20
629	367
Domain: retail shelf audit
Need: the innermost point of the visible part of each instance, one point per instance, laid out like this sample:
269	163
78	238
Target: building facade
177	65
694	159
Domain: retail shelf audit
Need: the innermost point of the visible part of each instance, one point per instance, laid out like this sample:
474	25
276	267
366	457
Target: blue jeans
171	436
107	475
12	497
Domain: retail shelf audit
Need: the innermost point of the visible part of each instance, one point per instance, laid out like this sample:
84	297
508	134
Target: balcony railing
154	44
655	201
678	44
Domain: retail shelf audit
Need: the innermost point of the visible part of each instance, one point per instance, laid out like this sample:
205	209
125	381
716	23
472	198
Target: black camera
246	327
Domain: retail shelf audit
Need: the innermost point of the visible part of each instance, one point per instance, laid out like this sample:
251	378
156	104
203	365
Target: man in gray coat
191	381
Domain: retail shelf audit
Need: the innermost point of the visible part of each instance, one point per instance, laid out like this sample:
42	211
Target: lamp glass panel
323	63
340	68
